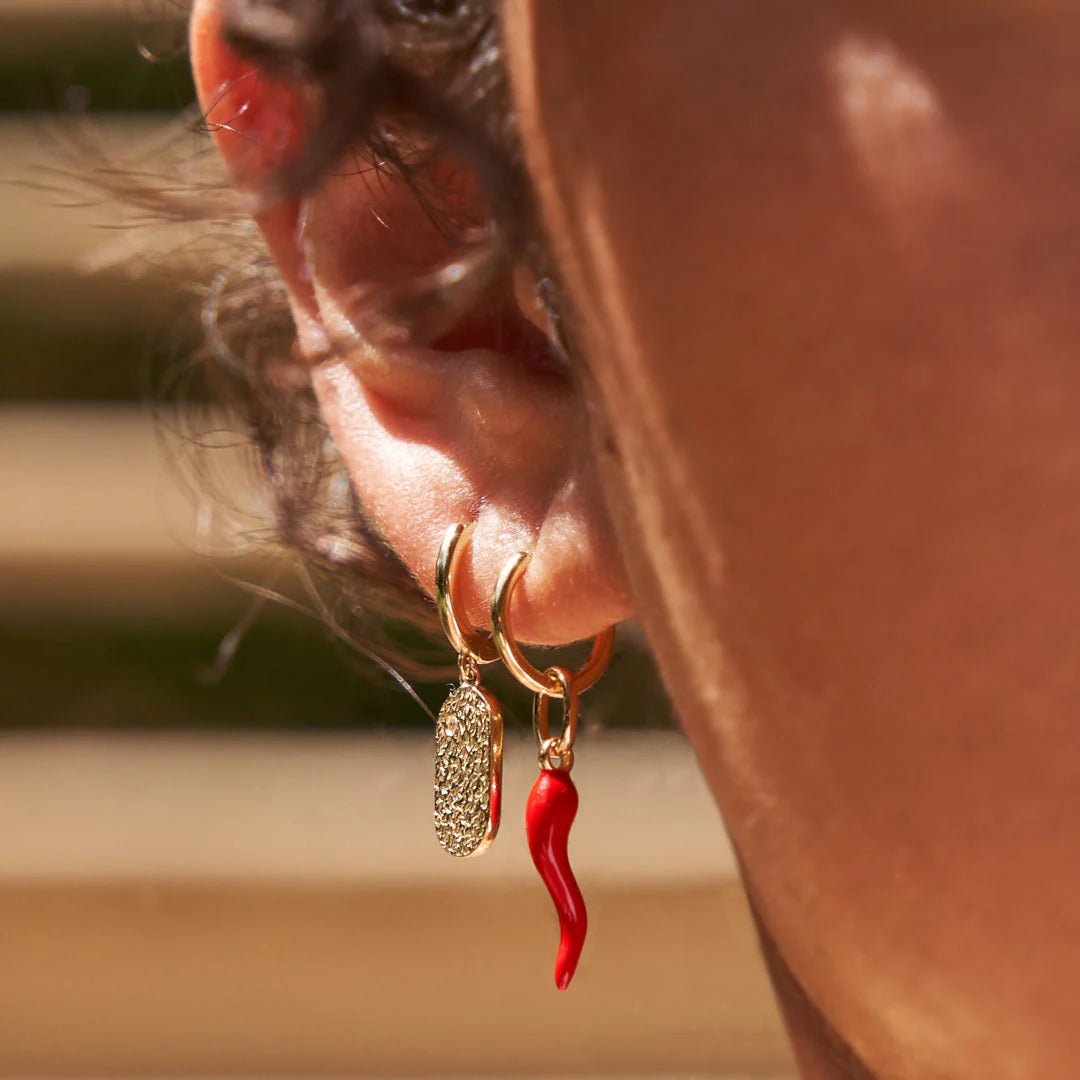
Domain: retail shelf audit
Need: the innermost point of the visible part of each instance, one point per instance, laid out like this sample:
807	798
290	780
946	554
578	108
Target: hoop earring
553	801
539	682
469	728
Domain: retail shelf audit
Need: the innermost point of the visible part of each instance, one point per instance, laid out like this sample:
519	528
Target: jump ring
550	752
541	704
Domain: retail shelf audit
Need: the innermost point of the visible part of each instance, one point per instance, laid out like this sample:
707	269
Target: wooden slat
66	9
317	809
141	981
92	519
87	483
253	906
36	25
49	221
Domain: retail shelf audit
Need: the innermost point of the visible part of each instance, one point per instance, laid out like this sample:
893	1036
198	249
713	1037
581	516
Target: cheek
846	394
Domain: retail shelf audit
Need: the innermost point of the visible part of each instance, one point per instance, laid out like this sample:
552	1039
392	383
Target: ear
481	428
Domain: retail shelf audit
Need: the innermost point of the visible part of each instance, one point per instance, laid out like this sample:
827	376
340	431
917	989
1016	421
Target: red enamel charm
549	813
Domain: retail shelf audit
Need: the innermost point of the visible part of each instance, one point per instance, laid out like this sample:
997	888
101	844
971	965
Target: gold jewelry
553	802
556	753
539	682
469	729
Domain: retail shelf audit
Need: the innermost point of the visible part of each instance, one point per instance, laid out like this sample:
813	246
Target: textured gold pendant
468	770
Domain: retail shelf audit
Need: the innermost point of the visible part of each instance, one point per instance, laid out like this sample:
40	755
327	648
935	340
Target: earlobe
472	427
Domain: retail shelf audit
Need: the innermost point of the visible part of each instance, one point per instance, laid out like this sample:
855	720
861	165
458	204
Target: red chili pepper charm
549	813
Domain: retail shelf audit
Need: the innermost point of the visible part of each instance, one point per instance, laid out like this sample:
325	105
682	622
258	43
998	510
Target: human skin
823	257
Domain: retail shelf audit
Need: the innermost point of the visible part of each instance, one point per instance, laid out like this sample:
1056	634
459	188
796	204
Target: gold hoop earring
539	682
469	728
553	801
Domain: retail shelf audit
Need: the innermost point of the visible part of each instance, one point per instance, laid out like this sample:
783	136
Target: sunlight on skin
829	277
898	131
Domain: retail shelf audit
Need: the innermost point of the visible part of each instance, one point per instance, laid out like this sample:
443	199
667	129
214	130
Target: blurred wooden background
234	876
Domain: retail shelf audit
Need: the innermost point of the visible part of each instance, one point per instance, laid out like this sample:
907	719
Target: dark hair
375	73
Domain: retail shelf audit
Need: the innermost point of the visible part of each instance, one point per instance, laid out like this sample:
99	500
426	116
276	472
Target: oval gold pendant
468	771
